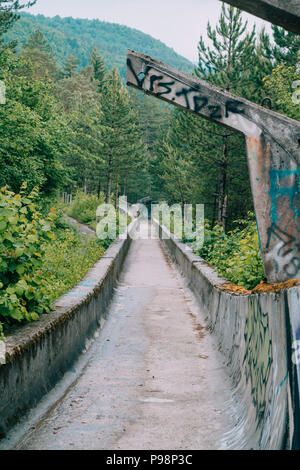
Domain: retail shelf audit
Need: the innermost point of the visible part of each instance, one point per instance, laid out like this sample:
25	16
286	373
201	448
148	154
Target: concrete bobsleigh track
257	335
40	353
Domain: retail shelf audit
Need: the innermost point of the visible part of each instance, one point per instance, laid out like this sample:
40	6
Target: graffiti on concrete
258	356
285	224
273	154
194	98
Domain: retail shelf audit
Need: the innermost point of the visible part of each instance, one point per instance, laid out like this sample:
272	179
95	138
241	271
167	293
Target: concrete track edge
39	354
256	334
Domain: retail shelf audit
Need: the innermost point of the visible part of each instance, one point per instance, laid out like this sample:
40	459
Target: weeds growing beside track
235	255
41	257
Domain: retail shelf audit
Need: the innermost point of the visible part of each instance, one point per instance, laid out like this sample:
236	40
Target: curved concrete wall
39	354
255	333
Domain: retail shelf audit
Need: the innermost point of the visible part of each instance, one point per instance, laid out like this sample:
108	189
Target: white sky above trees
177	23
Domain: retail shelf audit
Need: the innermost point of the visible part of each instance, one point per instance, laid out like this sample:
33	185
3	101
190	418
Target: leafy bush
23	232
41	258
67	259
235	255
83	207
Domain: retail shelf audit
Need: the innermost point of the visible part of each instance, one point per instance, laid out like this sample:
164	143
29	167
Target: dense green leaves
80	36
32	132
22	234
84	209
235	255
38	260
284	86
67	259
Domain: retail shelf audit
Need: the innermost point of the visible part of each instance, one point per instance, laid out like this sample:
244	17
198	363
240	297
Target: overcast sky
177	23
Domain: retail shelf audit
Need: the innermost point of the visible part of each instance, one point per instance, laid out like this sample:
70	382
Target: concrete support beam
285	13
273	145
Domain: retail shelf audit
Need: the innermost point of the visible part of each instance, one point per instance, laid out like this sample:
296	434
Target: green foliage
70	66
279	85
79	36
33	134
99	69
22	234
67	260
123	147
83	207
287	46
41	258
235	255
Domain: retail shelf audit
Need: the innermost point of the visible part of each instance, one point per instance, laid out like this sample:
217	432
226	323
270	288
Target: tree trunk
99	188
109	178
224	213
117	194
223	181
85	184
214	214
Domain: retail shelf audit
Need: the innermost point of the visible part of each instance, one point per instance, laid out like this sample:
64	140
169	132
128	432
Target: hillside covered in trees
78	36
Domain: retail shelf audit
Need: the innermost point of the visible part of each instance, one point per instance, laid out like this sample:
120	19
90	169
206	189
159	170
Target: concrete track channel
151	379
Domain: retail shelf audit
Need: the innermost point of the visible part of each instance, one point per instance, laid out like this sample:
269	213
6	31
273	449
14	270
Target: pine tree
70	66
287	46
9	14
79	99
99	69
227	64
39	57
123	147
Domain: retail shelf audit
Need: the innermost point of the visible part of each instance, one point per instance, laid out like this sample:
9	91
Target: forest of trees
79	36
66	127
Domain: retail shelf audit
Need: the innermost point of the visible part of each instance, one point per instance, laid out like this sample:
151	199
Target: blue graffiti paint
285	378
276	190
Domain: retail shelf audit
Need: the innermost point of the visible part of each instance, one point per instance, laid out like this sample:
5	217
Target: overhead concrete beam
273	145
285	13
